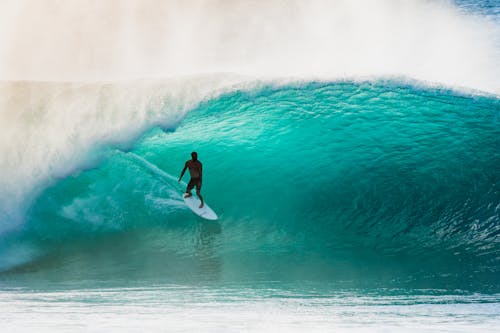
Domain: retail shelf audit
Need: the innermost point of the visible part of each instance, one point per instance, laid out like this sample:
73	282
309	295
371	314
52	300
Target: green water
350	184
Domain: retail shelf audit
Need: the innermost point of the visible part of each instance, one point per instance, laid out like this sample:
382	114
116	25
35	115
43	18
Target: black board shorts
194	182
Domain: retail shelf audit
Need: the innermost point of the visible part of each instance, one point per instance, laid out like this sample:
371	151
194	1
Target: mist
432	41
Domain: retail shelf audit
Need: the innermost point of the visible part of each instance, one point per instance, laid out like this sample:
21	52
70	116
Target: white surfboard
206	212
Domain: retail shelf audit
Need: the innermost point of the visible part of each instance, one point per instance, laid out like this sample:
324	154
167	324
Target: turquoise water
351	150
376	185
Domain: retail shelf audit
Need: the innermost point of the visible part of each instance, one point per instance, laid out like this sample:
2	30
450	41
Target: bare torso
194	168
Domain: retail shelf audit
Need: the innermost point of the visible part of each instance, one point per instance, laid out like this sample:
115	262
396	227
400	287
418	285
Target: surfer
195	170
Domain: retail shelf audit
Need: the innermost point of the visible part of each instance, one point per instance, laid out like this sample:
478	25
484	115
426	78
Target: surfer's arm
183	170
201	171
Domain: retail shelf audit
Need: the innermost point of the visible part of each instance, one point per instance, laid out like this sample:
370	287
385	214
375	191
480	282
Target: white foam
109	40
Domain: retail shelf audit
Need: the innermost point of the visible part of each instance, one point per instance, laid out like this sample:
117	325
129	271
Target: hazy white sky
125	39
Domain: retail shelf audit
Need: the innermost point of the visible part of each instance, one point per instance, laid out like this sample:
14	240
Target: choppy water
187	309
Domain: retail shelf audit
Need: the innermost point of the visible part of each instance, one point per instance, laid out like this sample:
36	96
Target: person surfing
196	172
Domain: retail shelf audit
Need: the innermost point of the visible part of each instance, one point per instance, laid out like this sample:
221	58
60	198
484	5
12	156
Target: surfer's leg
198	194
189	188
200	197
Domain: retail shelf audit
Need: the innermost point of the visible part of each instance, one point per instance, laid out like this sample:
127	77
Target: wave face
376	175
339	181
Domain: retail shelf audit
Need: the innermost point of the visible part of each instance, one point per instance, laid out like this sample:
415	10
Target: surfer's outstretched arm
183	170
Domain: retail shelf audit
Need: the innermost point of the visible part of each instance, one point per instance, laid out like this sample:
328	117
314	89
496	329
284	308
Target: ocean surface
351	203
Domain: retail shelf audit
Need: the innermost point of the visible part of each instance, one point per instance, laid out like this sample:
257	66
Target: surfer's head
194	155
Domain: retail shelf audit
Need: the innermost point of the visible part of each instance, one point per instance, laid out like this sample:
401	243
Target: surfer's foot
201	206
187	195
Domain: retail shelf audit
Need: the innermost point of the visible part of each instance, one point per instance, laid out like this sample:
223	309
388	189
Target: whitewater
350	148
